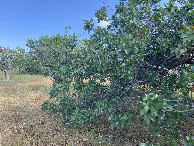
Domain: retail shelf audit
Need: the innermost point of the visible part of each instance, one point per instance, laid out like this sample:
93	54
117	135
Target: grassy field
23	123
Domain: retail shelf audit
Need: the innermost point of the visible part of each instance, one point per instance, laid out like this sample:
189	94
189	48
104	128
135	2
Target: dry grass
23	123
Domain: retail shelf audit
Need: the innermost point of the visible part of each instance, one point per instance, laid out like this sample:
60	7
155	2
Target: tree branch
181	111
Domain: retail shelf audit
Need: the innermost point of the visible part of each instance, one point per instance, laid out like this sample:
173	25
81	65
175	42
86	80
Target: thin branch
173	100
181	111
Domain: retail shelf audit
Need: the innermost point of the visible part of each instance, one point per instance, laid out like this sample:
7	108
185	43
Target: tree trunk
6	75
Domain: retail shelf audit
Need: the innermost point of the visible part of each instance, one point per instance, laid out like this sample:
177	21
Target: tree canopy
143	58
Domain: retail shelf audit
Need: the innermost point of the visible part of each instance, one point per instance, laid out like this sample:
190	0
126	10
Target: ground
23	123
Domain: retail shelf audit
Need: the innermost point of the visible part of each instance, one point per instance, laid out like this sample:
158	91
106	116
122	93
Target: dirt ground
23	123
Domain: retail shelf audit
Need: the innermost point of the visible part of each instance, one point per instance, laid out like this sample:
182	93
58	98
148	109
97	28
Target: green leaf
192	69
127	51
146	108
154	112
182	51
142	144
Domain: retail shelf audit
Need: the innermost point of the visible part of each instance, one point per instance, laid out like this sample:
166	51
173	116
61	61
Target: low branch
181	111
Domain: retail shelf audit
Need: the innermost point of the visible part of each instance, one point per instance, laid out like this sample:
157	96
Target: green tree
48	53
145	45
6	60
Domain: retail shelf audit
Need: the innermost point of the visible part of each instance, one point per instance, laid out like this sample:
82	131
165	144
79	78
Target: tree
6	63
49	52
135	50
144	46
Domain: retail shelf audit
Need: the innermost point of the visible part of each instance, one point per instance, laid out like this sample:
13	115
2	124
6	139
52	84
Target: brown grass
23	123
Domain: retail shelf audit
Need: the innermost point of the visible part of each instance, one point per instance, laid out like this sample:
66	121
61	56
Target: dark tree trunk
6	75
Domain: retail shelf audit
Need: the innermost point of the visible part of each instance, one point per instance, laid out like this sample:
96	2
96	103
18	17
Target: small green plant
153	107
120	121
189	141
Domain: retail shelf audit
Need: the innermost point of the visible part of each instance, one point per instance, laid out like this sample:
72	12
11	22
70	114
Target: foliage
6	60
45	54
152	108
189	141
145	45
24	62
